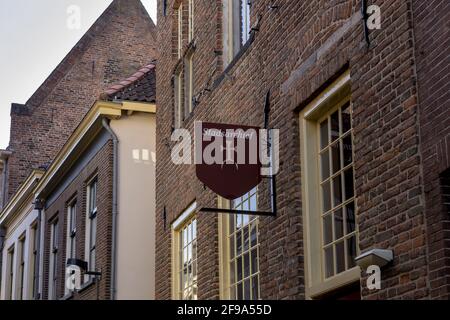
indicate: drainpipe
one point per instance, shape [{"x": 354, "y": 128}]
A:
[{"x": 114, "y": 206}]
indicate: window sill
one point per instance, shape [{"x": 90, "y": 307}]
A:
[{"x": 336, "y": 282}]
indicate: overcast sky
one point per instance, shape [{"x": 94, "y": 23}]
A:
[{"x": 34, "y": 38}]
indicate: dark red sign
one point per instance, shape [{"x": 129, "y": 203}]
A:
[{"x": 227, "y": 158}]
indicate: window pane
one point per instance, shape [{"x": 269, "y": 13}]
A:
[
  {"x": 325, "y": 165},
  {"x": 238, "y": 221},
  {"x": 253, "y": 234},
  {"x": 350, "y": 217},
  {"x": 232, "y": 271},
  {"x": 351, "y": 251},
  {"x": 239, "y": 242},
  {"x": 246, "y": 265},
  {"x": 348, "y": 180},
  {"x": 327, "y": 229},
  {"x": 255, "y": 286},
  {"x": 346, "y": 118},
  {"x": 246, "y": 238},
  {"x": 334, "y": 126},
  {"x": 194, "y": 250},
  {"x": 329, "y": 265},
  {"x": 326, "y": 194},
  {"x": 194, "y": 229},
  {"x": 232, "y": 247},
  {"x": 324, "y": 134},
  {"x": 239, "y": 268},
  {"x": 347, "y": 150},
  {"x": 337, "y": 190},
  {"x": 239, "y": 291},
  {"x": 336, "y": 157},
  {"x": 247, "y": 289},
  {"x": 340, "y": 257},
  {"x": 253, "y": 203},
  {"x": 254, "y": 261},
  {"x": 338, "y": 224}
]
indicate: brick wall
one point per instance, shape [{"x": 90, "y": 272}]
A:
[
  {"x": 119, "y": 43},
  {"x": 432, "y": 45},
  {"x": 102, "y": 167},
  {"x": 299, "y": 49}
]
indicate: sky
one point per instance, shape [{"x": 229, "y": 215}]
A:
[{"x": 35, "y": 35}]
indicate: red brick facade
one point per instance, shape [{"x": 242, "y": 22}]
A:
[
  {"x": 300, "y": 48},
  {"x": 431, "y": 46},
  {"x": 120, "y": 42}
]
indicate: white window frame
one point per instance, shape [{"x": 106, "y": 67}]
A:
[
  {"x": 186, "y": 218},
  {"x": 179, "y": 13},
  {"x": 178, "y": 97},
  {"x": 53, "y": 265},
  {"x": 190, "y": 20},
  {"x": 91, "y": 216},
  {"x": 10, "y": 273},
  {"x": 189, "y": 84},
  {"x": 236, "y": 26},
  {"x": 21, "y": 268},
  {"x": 71, "y": 232},
  {"x": 317, "y": 284},
  {"x": 33, "y": 258}
]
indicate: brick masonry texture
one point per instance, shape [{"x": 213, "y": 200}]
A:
[
  {"x": 401, "y": 111},
  {"x": 102, "y": 167},
  {"x": 120, "y": 42},
  {"x": 432, "y": 44}
]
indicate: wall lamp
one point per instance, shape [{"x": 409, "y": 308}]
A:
[{"x": 378, "y": 257}]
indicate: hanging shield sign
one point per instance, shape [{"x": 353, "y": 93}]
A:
[{"x": 227, "y": 158}]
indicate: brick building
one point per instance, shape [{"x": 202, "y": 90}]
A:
[
  {"x": 122, "y": 40},
  {"x": 97, "y": 208},
  {"x": 364, "y": 148},
  {"x": 67, "y": 110}
]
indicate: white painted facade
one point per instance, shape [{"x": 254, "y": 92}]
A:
[{"x": 19, "y": 220}]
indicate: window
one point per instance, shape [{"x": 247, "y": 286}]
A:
[
  {"x": 179, "y": 15},
  {"x": 164, "y": 8},
  {"x": 34, "y": 259},
  {"x": 91, "y": 225},
  {"x": 190, "y": 20},
  {"x": 189, "y": 84},
  {"x": 21, "y": 255},
  {"x": 178, "y": 97},
  {"x": 337, "y": 191},
  {"x": 71, "y": 232},
  {"x": 54, "y": 248},
  {"x": 245, "y": 21},
  {"x": 328, "y": 189},
  {"x": 10, "y": 273},
  {"x": 240, "y": 250},
  {"x": 185, "y": 255},
  {"x": 237, "y": 27}
]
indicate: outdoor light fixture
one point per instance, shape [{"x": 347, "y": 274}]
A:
[
  {"x": 39, "y": 204},
  {"x": 378, "y": 257}
]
